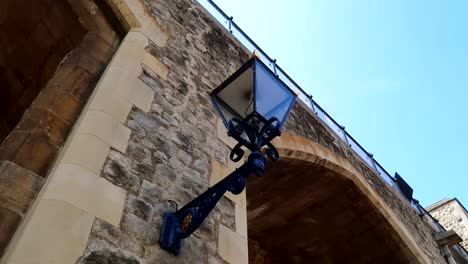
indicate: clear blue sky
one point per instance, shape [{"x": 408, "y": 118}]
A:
[{"x": 395, "y": 73}]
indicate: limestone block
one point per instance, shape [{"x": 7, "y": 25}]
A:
[
  {"x": 120, "y": 136},
  {"x": 219, "y": 172},
  {"x": 96, "y": 123},
  {"x": 103, "y": 126},
  {"x": 9, "y": 221},
  {"x": 142, "y": 95},
  {"x": 241, "y": 217},
  {"x": 300, "y": 145},
  {"x": 232, "y": 247},
  {"x": 148, "y": 25},
  {"x": 111, "y": 104},
  {"x": 120, "y": 87},
  {"x": 131, "y": 51},
  {"x": 55, "y": 233},
  {"x": 86, "y": 150},
  {"x": 87, "y": 191},
  {"x": 117, "y": 82},
  {"x": 155, "y": 65}
]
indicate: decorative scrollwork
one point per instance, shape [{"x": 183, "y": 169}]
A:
[
  {"x": 270, "y": 127},
  {"x": 182, "y": 223},
  {"x": 235, "y": 127},
  {"x": 272, "y": 152},
  {"x": 237, "y": 153}
]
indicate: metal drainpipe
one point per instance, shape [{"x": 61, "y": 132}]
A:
[{"x": 448, "y": 255}]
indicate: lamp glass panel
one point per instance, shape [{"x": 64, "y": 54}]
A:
[
  {"x": 272, "y": 96},
  {"x": 236, "y": 99}
]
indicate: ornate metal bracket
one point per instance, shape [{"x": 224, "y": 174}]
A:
[
  {"x": 253, "y": 138},
  {"x": 182, "y": 223}
]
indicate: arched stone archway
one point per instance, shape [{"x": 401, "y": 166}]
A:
[{"x": 313, "y": 206}]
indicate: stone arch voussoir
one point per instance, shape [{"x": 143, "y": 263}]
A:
[{"x": 299, "y": 148}]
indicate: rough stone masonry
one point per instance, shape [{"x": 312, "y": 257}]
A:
[
  {"x": 451, "y": 214},
  {"x": 172, "y": 146}
]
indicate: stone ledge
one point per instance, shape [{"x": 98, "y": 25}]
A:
[{"x": 448, "y": 238}]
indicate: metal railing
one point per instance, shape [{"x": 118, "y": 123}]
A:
[{"x": 231, "y": 26}]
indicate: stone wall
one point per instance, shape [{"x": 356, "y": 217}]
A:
[
  {"x": 451, "y": 214},
  {"x": 173, "y": 146},
  {"x": 149, "y": 134}
]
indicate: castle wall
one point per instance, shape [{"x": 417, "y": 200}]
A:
[
  {"x": 149, "y": 134},
  {"x": 452, "y": 215}
]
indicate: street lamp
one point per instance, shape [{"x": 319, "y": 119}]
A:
[{"x": 253, "y": 104}]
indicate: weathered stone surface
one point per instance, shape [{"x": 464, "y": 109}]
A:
[
  {"x": 226, "y": 207},
  {"x": 139, "y": 208},
  {"x": 451, "y": 214},
  {"x": 118, "y": 170},
  {"x": 9, "y": 221},
  {"x": 18, "y": 187},
  {"x": 105, "y": 231},
  {"x": 151, "y": 192},
  {"x": 130, "y": 244},
  {"x": 160, "y": 157},
  {"x": 194, "y": 252},
  {"x": 99, "y": 251},
  {"x": 32, "y": 150},
  {"x": 164, "y": 175},
  {"x": 139, "y": 229},
  {"x": 159, "y": 210}
]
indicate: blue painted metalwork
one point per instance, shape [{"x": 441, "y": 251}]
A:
[
  {"x": 251, "y": 130},
  {"x": 182, "y": 223}
]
